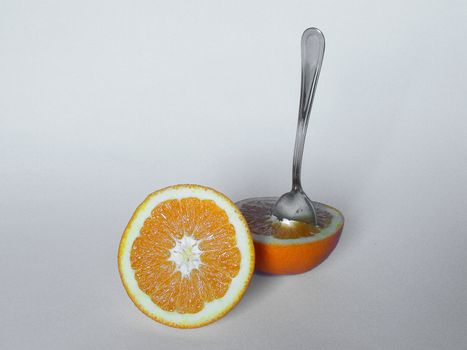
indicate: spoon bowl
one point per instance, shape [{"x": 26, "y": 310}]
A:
[{"x": 295, "y": 205}]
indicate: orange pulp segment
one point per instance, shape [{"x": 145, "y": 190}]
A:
[{"x": 174, "y": 288}]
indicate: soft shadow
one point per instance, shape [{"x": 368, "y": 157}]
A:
[{"x": 260, "y": 285}]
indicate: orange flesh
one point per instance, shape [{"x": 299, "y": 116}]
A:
[
  {"x": 158, "y": 277},
  {"x": 294, "y": 230}
]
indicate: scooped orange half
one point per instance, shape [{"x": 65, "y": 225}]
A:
[
  {"x": 289, "y": 247},
  {"x": 186, "y": 256}
]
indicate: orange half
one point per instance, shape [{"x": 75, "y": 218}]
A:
[
  {"x": 186, "y": 256},
  {"x": 289, "y": 247}
]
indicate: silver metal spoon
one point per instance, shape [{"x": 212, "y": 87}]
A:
[{"x": 295, "y": 205}]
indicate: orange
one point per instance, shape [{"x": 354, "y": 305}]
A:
[
  {"x": 186, "y": 256},
  {"x": 289, "y": 247}
]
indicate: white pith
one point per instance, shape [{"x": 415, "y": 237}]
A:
[
  {"x": 186, "y": 255},
  {"x": 210, "y": 309}
]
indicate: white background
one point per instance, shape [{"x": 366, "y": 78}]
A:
[{"x": 102, "y": 102}]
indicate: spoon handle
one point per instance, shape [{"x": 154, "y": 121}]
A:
[{"x": 312, "y": 58}]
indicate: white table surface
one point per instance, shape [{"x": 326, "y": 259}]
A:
[{"x": 102, "y": 102}]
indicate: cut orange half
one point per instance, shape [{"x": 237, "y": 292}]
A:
[
  {"x": 289, "y": 247},
  {"x": 186, "y": 256}
]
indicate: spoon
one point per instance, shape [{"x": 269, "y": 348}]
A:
[{"x": 295, "y": 205}]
